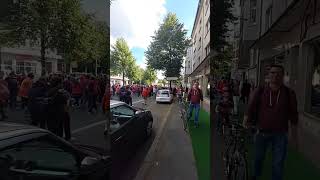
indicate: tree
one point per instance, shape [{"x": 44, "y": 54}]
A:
[
  {"x": 37, "y": 22},
  {"x": 222, "y": 63},
  {"x": 222, "y": 16},
  {"x": 149, "y": 75},
  {"x": 121, "y": 58},
  {"x": 136, "y": 73},
  {"x": 168, "y": 47}
]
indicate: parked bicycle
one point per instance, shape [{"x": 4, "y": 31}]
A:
[
  {"x": 235, "y": 154},
  {"x": 184, "y": 114}
]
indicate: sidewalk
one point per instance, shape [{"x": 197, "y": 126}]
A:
[{"x": 170, "y": 156}]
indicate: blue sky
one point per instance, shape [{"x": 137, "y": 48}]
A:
[{"x": 137, "y": 20}]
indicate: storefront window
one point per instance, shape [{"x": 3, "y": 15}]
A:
[
  {"x": 315, "y": 85},
  {"x": 7, "y": 65},
  {"x": 26, "y": 67}
]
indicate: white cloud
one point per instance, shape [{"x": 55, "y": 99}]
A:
[
  {"x": 136, "y": 21},
  {"x": 160, "y": 74},
  {"x": 143, "y": 63}
]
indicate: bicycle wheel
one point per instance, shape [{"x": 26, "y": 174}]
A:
[{"x": 240, "y": 170}]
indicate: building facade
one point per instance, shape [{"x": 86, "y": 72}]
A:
[
  {"x": 287, "y": 33},
  {"x": 117, "y": 79},
  {"x": 26, "y": 59},
  {"x": 197, "y": 66}
]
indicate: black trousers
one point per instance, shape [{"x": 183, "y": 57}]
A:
[
  {"x": 60, "y": 124},
  {"x": 92, "y": 102},
  {"x": 2, "y": 111}
]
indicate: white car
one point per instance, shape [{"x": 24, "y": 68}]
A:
[{"x": 164, "y": 95}]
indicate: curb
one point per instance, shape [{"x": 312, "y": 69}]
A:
[{"x": 148, "y": 161}]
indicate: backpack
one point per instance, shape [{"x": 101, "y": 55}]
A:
[{"x": 261, "y": 89}]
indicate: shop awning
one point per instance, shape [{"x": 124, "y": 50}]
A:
[{"x": 277, "y": 35}]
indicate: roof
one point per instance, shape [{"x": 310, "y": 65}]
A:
[{"x": 8, "y": 130}]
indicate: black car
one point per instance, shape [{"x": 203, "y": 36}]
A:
[
  {"x": 129, "y": 127},
  {"x": 31, "y": 153}
]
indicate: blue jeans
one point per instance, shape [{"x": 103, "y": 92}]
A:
[
  {"x": 197, "y": 109},
  {"x": 279, "y": 142}
]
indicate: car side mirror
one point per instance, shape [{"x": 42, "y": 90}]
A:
[
  {"x": 137, "y": 112},
  {"x": 88, "y": 161}
]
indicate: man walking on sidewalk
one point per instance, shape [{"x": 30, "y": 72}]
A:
[
  {"x": 194, "y": 97},
  {"x": 270, "y": 109}
]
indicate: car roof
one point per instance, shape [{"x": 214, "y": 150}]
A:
[
  {"x": 8, "y": 130},
  {"x": 114, "y": 103},
  {"x": 164, "y": 90}
]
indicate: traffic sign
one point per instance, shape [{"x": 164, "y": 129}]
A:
[{"x": 172, "y": 78}]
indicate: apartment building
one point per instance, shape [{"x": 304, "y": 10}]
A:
[
  {"x": 288, "y": 33},
  {"x": 197, "y": 60},
  {"x": 188, "y": 67}
]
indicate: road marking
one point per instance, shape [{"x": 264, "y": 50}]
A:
[
  {"x": 88, "y": 126},
  {"x": 144, "y": 169},
  {"x": 137, "y": 101}
]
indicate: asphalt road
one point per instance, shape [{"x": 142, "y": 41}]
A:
[
  {"x": 88, "y": 129},
  {"x": 129, "y": 170}
]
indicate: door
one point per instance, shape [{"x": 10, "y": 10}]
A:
[{"x": 38, "y": 159}]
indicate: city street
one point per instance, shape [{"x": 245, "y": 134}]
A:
[
  {"x": 129, "y": 170},
  {"x": 88, "y": 129}
]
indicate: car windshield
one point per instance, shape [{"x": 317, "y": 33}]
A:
[{"x": 164, "y": 92}]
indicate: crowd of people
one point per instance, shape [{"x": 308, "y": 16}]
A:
[
  {"x": 48, "y": 99},
  {"x": 126, "y": 93}
]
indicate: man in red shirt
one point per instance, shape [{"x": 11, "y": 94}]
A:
[
  {"x": 194, "y": 97},
  {"x": 270, "y": 109}
]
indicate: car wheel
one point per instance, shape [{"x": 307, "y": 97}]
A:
[{"x": 148, "y": 130}]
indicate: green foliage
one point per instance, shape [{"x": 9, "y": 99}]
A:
[
  {"x": 149, "y": 75},
  {"x": 222, "y": 15},
  {"x": 221, "y": 64},
  {"x": 136, "y": 73},
  {"x": 168, "y": 47},
  {"x": 122, "y": 59}
]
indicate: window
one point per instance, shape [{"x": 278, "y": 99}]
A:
[
  {"x": 123, "y": 110},
  {"x": 199, "y": 43},
  {"x": 253, "y": 11},
  {"x": 207, "y": 49},
  {"x": 7, "y": 65},
  {"x": 251, "y": 57},
  {"x": 49, "y": 67},
  {"x": 314, "y": 106},
  {"x": 44, "y": 153},
  {"x": 61, "y": 67},
  {"x": 25, "y": 67},
  {"x": 268, "y": 21},
  {"x": 208, "y": 26},
  {"x": 207, "y": 5}
]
